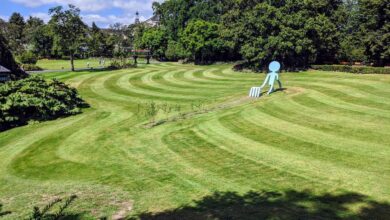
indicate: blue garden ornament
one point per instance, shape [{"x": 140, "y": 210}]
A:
[{"x": 272, "y": 76}]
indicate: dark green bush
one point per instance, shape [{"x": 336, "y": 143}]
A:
[
  {"x": 31, "y": 67},
  {"x": 117, "y": 64},
  {"x": 28, "y": 58},
  {"x": 175, "y": 51},
  {"x": 35, "y": 99},
  {"x": 352, "y": 69}
]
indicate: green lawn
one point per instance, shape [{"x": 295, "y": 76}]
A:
[
  {"x": 65, "y": 64},
  {"x": 171, "y": 141}
]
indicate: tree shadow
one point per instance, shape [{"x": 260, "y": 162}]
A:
[
  {"x": 94, "y": 70},
  {"x": 46, "y": 214},
  {"x": 280, "y": 89},
  {"x": 274, "y": 205},
  {"x": 3, "y": 213}
]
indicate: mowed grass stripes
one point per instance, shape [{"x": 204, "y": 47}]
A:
[{"x": 162, "y": 136}]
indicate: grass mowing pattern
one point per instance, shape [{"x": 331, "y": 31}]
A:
[{"x": 327, "y": 133}]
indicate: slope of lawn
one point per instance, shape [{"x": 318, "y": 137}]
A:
[{"x": 171, "y": 141}]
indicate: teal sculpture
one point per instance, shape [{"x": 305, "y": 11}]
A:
[{"x": 272, "y": 76}]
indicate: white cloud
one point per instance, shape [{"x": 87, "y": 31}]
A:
[
  {"x": 103, "y": 21},
  {"x": 94, "y": 10},
  {"x": 44, "y": 16},
  {"x": 5, "y": 18},
  {"x": 110, "y": 19},
  {"x": 94, "y": 5}
]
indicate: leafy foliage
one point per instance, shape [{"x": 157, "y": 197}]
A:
[
  {"x": 298, "y": 33},
  {"x": 34, "y": 99},
  {"x": 352, "y": 69},
  {"x": 31, "y": 67},
  {"x": 175, "y": 51},
  {"x": 41, "y": 41},
  {"x": 99, "y": 43},
  {"x": 290, "y": 32},
  {"x": 155, "y": 39},
  {"x": 176, "y": 14},
  {"x": 121, "y": 64},
  {"x": 375, "y": 29},
  {"x": 15, "y": 34},
  {"x": 28, "y": 58},
  {"x": 68, "y": 30},
  {"x": 201, "y": 39}
]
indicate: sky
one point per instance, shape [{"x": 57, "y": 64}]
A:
[{"x": 103, "y": 12}]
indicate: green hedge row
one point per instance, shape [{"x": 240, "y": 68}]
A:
[
  {"x": 352, "y": 69},
  {"x": 35, "y": 99}
]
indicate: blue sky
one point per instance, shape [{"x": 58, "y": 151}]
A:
[{"x": 103, "y": 12}]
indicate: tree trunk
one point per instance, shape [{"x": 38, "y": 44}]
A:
[{"x": 72, "y": 61}]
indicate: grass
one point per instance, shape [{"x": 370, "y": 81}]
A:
[
  {"x": 79, "y": 63},
  {"x": 171, "y": 141},
  {"x": 65, "y": 64}
]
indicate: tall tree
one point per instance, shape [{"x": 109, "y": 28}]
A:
[
  {"x": 175, "y": 14},
  {"x": 33, "y": 25},
  {"x": 295, "y": 32},
  {"x": 16, "y": 25},
  {"x": 351, "y": 44},
  {"x": 201, "y": 39},
  {"x": 41, "y": 40},
  {"x": 96, "y": 41},
  {"x": 375, "y": 29},
  {"x": 155, "y": 39},
  {"x": 121, "y": 36},
  {"x": 69, "y": 30},
  {"x": 3, "y": 27}
]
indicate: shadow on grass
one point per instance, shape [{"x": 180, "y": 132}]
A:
[
  {"x": 97, "y": 70},
  {"x": 3, "y": 213},
  {"x": 60, "y": 213},
  {"x": 274, "y": 205},
  {"x": 90, "y": 70}
]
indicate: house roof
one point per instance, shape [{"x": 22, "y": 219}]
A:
[
  {"x": 153, "y": 20},
  {"x": 4, "y": 70}
]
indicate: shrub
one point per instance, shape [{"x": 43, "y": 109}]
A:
[
  {"x": 28, "y": 58},
  {"x": 116, "y": 65},
  {"x": 175, "y": 51},
  {"x": 31, "y": 67},
  {"x": 352, "y": 69},
  {"x": 34, "y": 99}
]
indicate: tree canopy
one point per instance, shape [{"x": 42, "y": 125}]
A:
[
  {"x": 68, "y": 30},
  {"x": 298, "y": 33}
]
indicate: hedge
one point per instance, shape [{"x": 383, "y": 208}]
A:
[
  {"x": 35, "y": 99},
  {"x": 352, "y": 69},
  {"x": 28, "y": 58}
]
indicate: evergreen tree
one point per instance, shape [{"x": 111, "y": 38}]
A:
[
  {"x": 15, "y": 34},
  {"x": 375, "y": 29}
]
